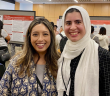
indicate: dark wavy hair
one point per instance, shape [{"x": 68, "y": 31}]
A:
[
  {"x": 102, "y": 31},
  {"x": 92, "y": 29}
]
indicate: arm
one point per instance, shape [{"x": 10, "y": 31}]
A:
[
  {"x": 104, "y": 72},
  {"x": 96, "y": 40},
  {"x": 5, "y": 35},
  {"x": 57, "y": 41},
  {"x": 107, "y": 40},
  {"x": 7, "y": 38}
]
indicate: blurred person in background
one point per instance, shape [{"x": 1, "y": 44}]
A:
[
  {"x": 103, "y": 38},
  {"x": 55, "y": 30},
  {"x": 94, "y": 37},
  {"x": 4, "y": 39},
  {"x": 59, "y": 37}
]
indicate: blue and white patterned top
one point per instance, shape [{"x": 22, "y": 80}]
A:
[{"x": 13, "y": 85}]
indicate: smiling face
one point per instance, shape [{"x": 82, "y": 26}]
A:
[
  {"x": 74, "y": 26},
  {"x": 40, "y": 38}
]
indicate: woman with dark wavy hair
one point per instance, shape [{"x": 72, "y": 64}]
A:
[
  {"x": 103, "y": 38},
  {"x": 33, "y": 71}
]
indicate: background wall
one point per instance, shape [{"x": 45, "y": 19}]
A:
[
  {"x": 17, "y": 5},
  {"x": 53, "y": 11},
  {"x": 7, "y": 5},
  {"x": 26, "y": 6}
]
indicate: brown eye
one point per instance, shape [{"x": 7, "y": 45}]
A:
[
  {"x": 45, "y": 34},
  {"x": 35, "y": 34},
  {"x": 78, "y": 22},
  {"x": 68, "y": 23}
]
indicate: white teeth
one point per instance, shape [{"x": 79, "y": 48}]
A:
[
  {"x": 73, "y": 33},
  {"x": 40, "y": 44}
]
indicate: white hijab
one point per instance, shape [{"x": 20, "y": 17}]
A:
[{"x": 86, "y": 81}]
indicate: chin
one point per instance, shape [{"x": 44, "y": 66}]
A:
[{"x": 74, "y": 40}]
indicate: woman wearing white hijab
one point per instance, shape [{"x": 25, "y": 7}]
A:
[{"x": 84, "y": 67}]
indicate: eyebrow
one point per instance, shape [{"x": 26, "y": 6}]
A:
[
  {"x": 75, "y": 20},
  {"x": 78, "y": 20},
  {"x": 67, "y": 21},
  {"x": 38, "y": 32}
]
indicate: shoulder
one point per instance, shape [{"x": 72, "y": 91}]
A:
[
  {"x": 106, "y": 36},
  {"x": 64, "y": 39},
  {"x": 4, "y": 33},
  {"x": 92, "y": 35},
  {"x": 14, "y": 58},
  {"x": 58, "y": 37},
  {"x": 13, "y": 61},
  {"x": 96, "y": 37},
  {"x": 103, "y": 52},
  {"x": 62, "y": 43},
  {"x": 104, "y": 57}
]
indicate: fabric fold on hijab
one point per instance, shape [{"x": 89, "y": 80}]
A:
[{"x": 87, "y": 72}]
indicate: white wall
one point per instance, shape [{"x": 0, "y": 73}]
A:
[
  {"x": 26, "y": 6},
  {"x": 11, "y": 6},
  {"x": 7, "y": 5}
]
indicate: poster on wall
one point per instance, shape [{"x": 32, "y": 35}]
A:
[
  {"x": 101, "y": 23},
  {"x": 16, "y": 26},
  {"x": 59, "y": 24}
]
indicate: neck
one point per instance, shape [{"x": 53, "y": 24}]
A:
[{"x": 41, "y": 60}]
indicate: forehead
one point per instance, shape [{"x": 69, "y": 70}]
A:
[
  {"x": 40, "y": 27},
  {"x": 73, "y": 15}
]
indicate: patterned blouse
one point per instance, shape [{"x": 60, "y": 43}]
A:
[{"x": 12, "y": 85}]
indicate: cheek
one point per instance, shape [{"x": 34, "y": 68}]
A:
[
  {"x": 84, "y": 31},
  {"x": 48, "y": 39},
  {"x": 32, "y": 39},
  {"x": 66, "y": 28}
]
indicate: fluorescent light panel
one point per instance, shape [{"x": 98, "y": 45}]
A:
[
  {"x": 76, "y": 1},
  {"x": 29, "y": 1}
]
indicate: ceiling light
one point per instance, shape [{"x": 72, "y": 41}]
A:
[
  {"x": 29, "y": 1},
  {"x": 49, "y": 0},
  {"x": 76, "y": 1}
]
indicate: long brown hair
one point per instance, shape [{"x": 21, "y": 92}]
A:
[{"x": 26, "y": 55}]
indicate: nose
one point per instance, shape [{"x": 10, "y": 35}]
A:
[
  {"x": 40, "y": 38},
  {"x": 73, "y": 26}
]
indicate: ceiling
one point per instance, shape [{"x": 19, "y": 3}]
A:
[{"x": 62, "y": 1}]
